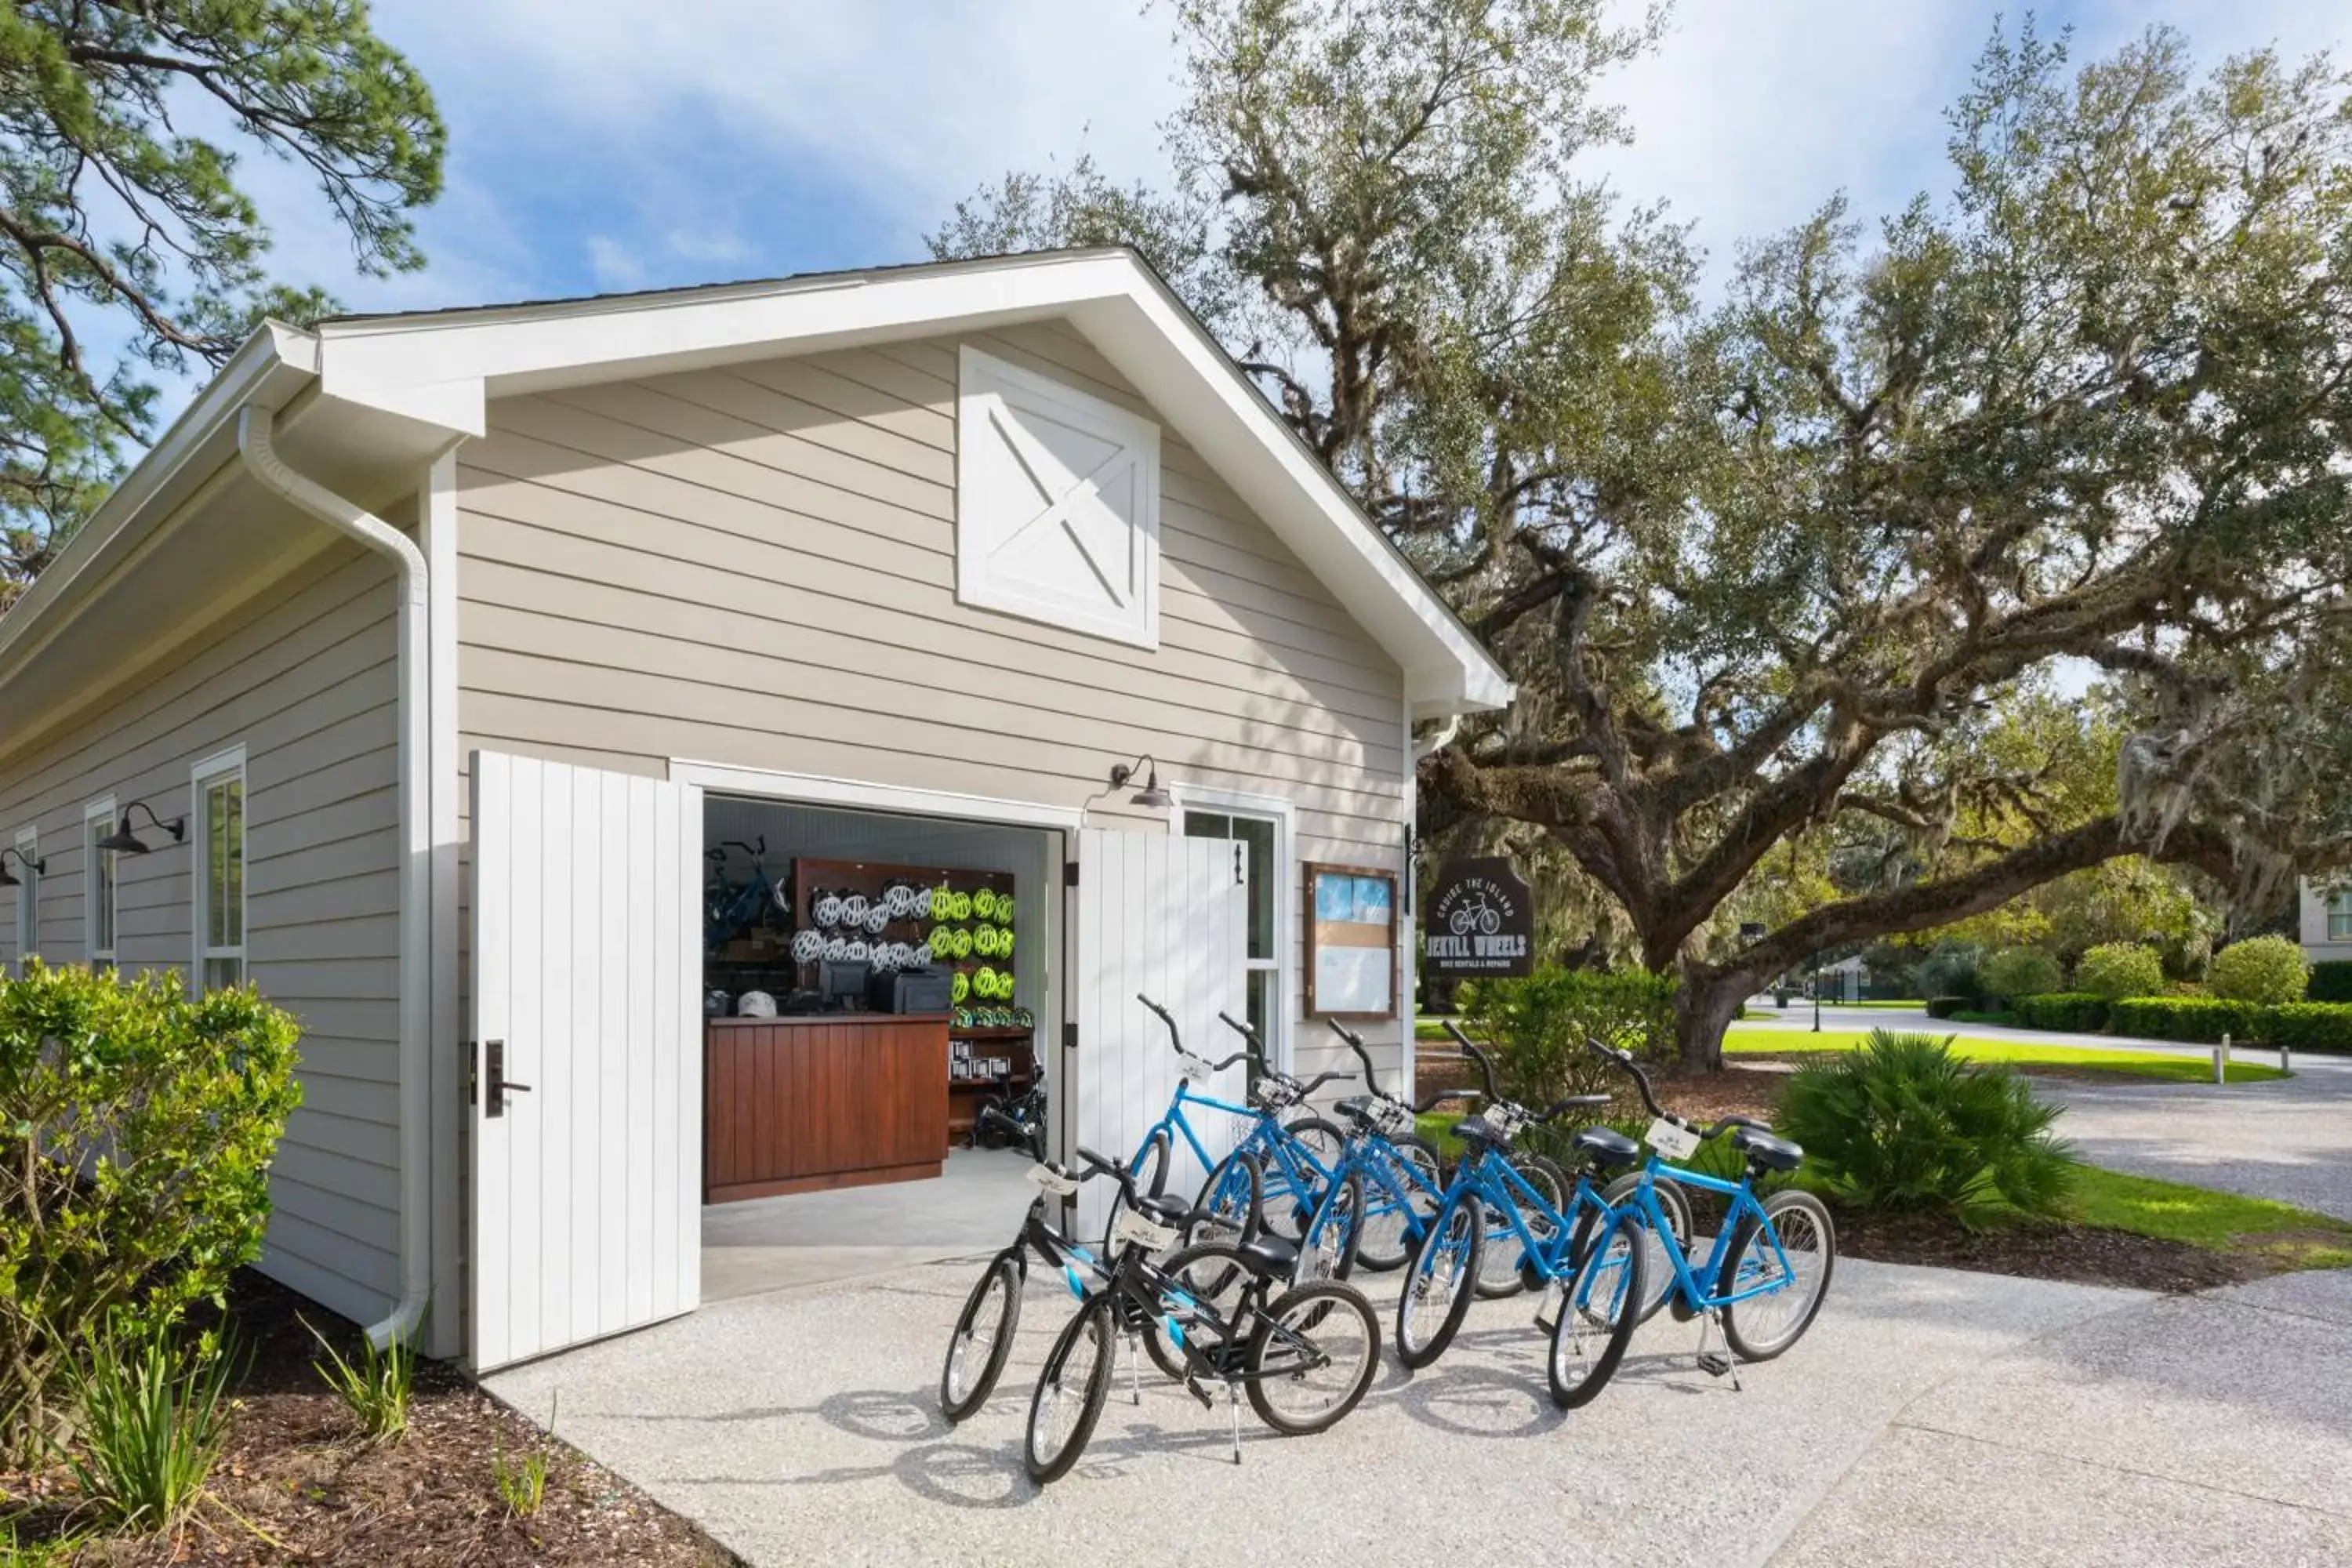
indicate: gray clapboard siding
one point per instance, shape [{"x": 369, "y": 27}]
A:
[
  {"x": 304, "y": 678},
  {"x": 756, "y": 565}
]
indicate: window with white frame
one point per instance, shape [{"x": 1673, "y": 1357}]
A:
[
  {"x": 1261, "y": 835},
  {"x": 28, "y": 895},
  {"x": 218, "y": 787},
  {"x": 97, "y": 901},
  {"x": 2339, "y": 915}
]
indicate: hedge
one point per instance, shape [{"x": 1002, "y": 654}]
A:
[
  {"x": 1945, "y": 1006},
  {"x": 2077, "y": 1011},
  {"x": 2309, "y": 1026},
  {"x": 2203, "y": 1020},
  {"x": 2331, "y": 980}
]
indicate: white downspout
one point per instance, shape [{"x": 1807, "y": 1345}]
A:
[
  {"x": 414, "y": 724},
  {"x": 1438, "y": 738}
]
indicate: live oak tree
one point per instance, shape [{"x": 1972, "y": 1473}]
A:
[
  {"x": 1773, "y": 575},
  {"x": 127, "y": 248}
]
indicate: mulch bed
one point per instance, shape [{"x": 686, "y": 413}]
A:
[{"x": 295, "y": 1486}]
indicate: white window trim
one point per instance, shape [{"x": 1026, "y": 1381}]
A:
[
  {"x": 101, "y": 812},
  {"x": 28, "y": 895},
  {"x": 211, "y": 771},
  {"x": 1279, "y": 810},
  {"x": 2334, "y": 907},
  {"x": 983, "y": 384}
]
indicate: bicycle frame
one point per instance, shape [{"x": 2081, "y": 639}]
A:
[
  {"x": 1697, "y": 1285},
  {"x": 1282, "y": 1153},
  {"x": 1494, "y": 1181}
]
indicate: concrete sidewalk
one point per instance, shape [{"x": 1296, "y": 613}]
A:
[{"x": 802, "y": 1426}]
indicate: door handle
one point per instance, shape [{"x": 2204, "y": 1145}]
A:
[{"x": 495, "y": 1086}]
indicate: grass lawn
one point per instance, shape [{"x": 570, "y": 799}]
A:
[
  {"x": 2219, "y": 1222},
  {"x": 2026, "y": 1054}
]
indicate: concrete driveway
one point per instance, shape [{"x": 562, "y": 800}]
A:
[{"x": 1930, "y": 1417}]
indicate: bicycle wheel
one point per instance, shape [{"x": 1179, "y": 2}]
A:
[
  {"x": 1390, "y": 1224},
  {"x": 1312, "y": 1357},
  {"x": 1327, "y": 1250},
  {"x": 1763, "y": 1326},
  {"x": 1070, "y": 1393},
  {"x": 1437, "y": 1281},
  {"x": 982, "y": 1340},
  {"x": 1150, "y": 1169},
  {"x": 1213, "y": 1280},
  {"x": 1598, "y": 1315},
  {"x": 1499, "y": 1271},
  {"x": 1286, "y": 1202},
  {"x": 1227, "y": 1208},
  {"x": 1658, "y": 1278}
]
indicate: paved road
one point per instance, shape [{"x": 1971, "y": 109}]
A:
[
  {"x": 1799, "y": 1018},
  {"x": 1930, "y": 1417}
]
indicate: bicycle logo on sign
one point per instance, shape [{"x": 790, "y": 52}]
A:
[{"x": 1480, "y": 917}]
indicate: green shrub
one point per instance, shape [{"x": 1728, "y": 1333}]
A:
[
  {"x": 2197, "y": 1020},
  {"x": 2331, "y": 980},
  {"x": 1536, "y": 1027},
  {"x": 1951, "y": 971},
  {"x": 1904, "y": 1125},
  {"x": 2116, "y": 969},
  {"x": 2308, "y": 1025},
  {"x": 136, "y": 1130},
  {"x": 151, "y": 1422},
  {"x": 2075, "y": 1011},
  {"x": 2265, "y": 969},
  {"x": 1945, "y": 1006},
  {"x": 2003, "y": 1019},
  {"x": 373, "y": 1384},
  {"x": 2015, "y": 972}
]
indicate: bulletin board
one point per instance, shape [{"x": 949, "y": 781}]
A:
[{"x": 1351, "y": 941}]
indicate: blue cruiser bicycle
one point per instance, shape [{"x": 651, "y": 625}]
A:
[
  {"x": 1274, "y": 1175},
  {"x": 1763, "y": 1280},
  {"x": 1385, "y": 1187}
]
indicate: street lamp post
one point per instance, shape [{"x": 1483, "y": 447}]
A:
[{"x": 1817, "y": 994}]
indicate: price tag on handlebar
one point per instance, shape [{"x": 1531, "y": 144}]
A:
[
  {"x": 1143, "y": 1232},
  {"x": 1197, "y": 1068},
  {"x": 1392, "y": 1120},
  {"x": 1673, "y": 1143},
  {"x": 1053, "y": 1180}
]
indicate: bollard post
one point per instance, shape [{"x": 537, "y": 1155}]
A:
[
  {"x": 2286, "y": 1058},
  {"x": 2222, "y": 1059}
]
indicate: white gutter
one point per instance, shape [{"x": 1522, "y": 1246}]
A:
[
  {"x": 413, "y": 723},
  {"x": 1438, "y": 738}
]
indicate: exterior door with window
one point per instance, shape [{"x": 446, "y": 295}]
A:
[
  {"x": 219, "y": 837},
  {"x": 1261, "y": 837}
]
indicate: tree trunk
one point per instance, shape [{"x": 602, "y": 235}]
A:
[{"x": 1705, "y": 1004}]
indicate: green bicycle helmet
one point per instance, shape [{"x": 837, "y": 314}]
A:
[
  {"x": 1004, "y": 909},
  {"x": 960, "y": 988},
  {"x": 961, "y": 906},
  {"x": 984, "y": 903},
  {"x": 1004, "y": 944}
]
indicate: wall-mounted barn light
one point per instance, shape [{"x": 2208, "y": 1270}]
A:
[
  {"x": 122, "y": 841},
  {"x": 1151, "y": 794},
  {"x": 7, "y": 879}
]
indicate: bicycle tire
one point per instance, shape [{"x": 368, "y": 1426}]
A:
[
  {"x": 1227, "y": 1208},
  {"x": 1092, "y": 1326},
  {"x": 984, "y": 1134},
  {"x": 1372, "y": 1249},
  {"x": 1220, "y": 1288},
  {"x": 958, "y": 1400},
  {"x": 1504, "y": 1252},
  {"x": 1660, "y": 1281},
  {"x": 1326, "y": 1248},
  {"x": 1619, "y": 1273},
  {"x": 1456, "y": 1229},
  {"x": 1283, "y": 1211},
  {"x": 1150, "y": 1169},
  {"x": 1311, "y": 1310},
  {"x": 1779, "y": 1203}
]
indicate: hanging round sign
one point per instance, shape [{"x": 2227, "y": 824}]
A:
[{"x": 1478, "y": 922}]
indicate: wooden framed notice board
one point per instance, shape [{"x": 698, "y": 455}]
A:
[{"x": 1351, "y": 941}]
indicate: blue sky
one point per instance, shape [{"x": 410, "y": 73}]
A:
[{"x": 603, "y": 144}]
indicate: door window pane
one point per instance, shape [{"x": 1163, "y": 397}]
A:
[
  {"x": 102, "y": 888},
  {"x": 2340, "y": 916}
]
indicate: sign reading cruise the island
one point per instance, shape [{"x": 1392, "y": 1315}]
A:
[{"x": 1478, "y": 922}]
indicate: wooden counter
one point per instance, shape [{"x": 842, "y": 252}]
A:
[{"x": 794, "y": 1105}]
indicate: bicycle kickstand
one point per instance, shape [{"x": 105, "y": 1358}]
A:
[
  {"x": 1135, "y": 1367},
  {"x": 1720, "y": 1364},
  {"x": 1233, "y": 1398}
]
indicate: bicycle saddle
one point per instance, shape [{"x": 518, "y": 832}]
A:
[
  {"x": 1605, "y": 1146},
  {"x": 1166, "y": 1208},
  {"x": 1270, "y": 1256},
  {"x": 1356, "y": 1105},
  {"x": 1772, "y": 1153},
  {"x": 1478, "y": 1130}
]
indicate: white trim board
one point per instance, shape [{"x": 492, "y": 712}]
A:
[{"x": 814, "y": 789}]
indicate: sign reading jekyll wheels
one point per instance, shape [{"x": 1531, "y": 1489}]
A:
[{"x": 1478, "y": 922}]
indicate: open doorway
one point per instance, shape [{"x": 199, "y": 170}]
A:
[{"x": 873, "y": 985}]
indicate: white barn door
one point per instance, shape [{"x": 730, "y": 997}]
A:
[
  {"x": 586, "y": 1185},
  {"x": 1166, "y": 917}
]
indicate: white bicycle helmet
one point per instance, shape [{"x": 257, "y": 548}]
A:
[
  {"x": 877, "y": 916},
  {"x": 922, "y": 908},
  {"x": 824, "y": 909},
  {"x": 858, "y": 951},
  {"x": 921, "y": 957},
  {"x": 836, "y": 948},
  {"x": 808, "y": 946},
  {"x": 852, "y": 908},
  {"x": 755, "y": 1005}
]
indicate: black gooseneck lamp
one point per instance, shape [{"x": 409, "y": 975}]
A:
[
  {"x": 122, "y": 841},
  {"x": 1151, "y": 794},
  {"x": 7, "y": 877}
]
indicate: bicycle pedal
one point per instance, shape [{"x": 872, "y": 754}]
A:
[
  {"x": 1714, "y": 1364},
  {"x": 1193, "y": 1387}
]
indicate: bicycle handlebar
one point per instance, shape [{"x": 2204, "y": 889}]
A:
[
  {"x": 1649, "y": 1097},
  {"x": 1439, "y": 1097},
  {"x": 1470, "y": 1049},
  {"x": 1356, "y": 1043},
  {"x": 1102, "y": 1167}
]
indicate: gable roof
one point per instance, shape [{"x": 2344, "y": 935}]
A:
[{"x": 426, "y": 378}]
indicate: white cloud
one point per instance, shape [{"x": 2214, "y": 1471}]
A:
[{"x": 614, "y": 265}]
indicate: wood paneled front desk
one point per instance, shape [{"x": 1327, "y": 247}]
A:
[{"x": 794, "y": 1105}]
